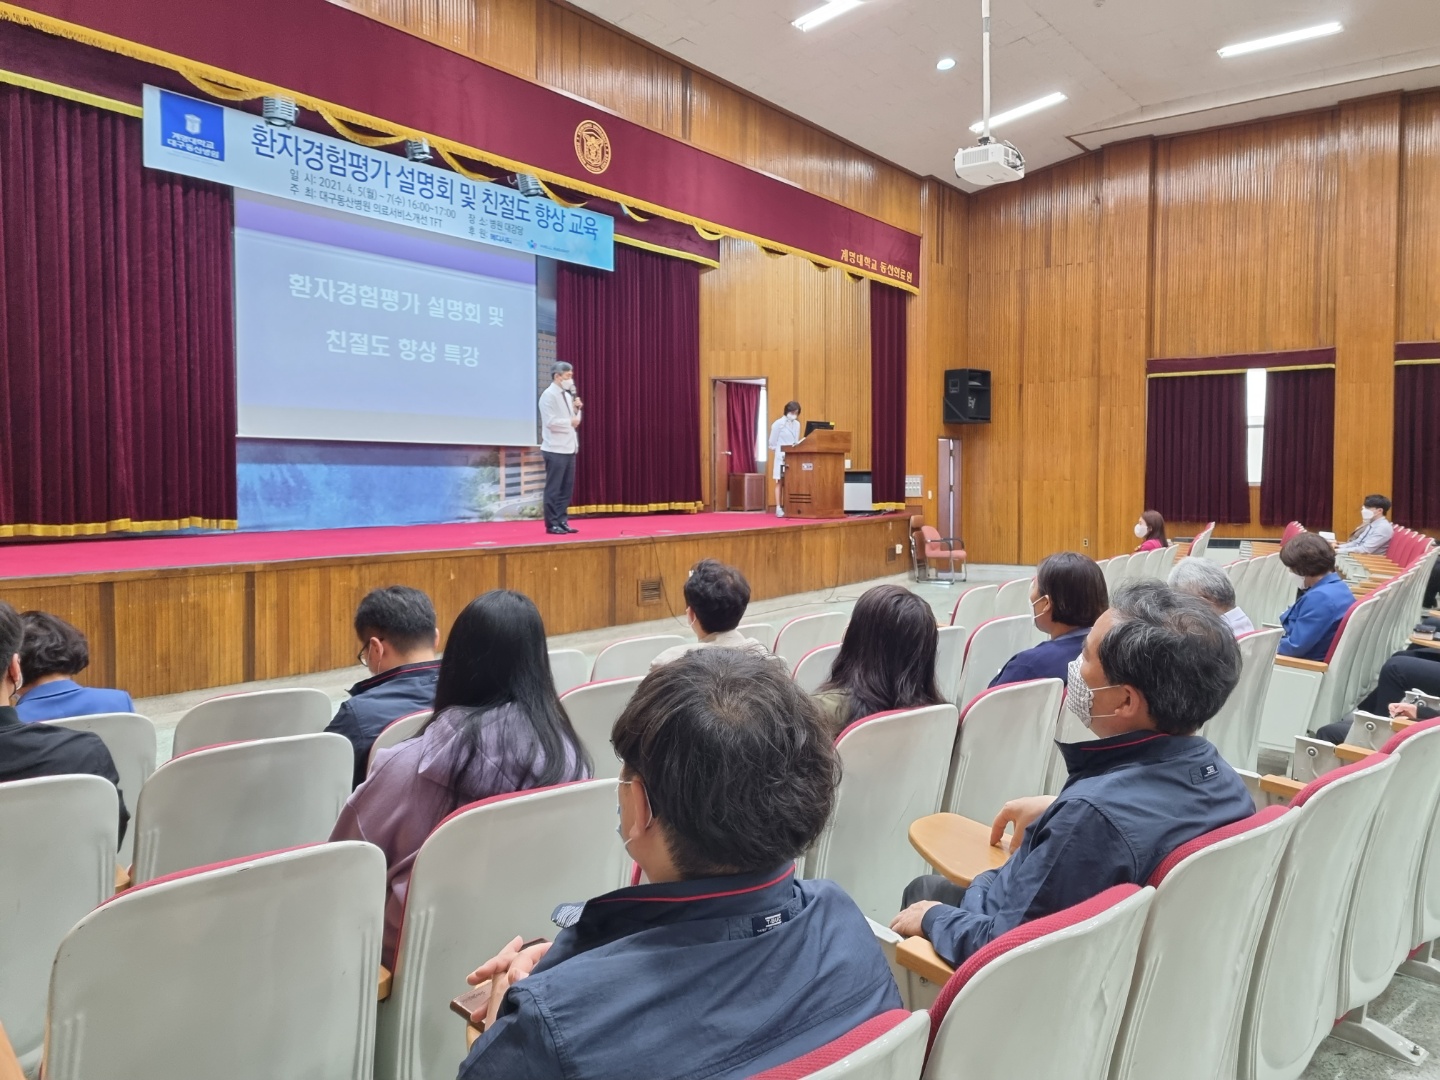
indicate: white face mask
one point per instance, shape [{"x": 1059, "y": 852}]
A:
[
  {"x": 567, "y": 384},
  {"x": 1141, "y": 529},
  {"x": 792, "y": 416},
  {"x": 1035, "y": 615},
  {"x": 1080, "y": 698},
  {"x": 1366, "y": 514}
]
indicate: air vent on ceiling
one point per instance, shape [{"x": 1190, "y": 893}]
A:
[{"x": 650, "y": 590}]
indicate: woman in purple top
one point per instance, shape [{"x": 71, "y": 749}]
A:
[{"x": 498, "y": 727}]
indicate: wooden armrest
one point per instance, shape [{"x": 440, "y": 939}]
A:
[
  {"x": 1399, "y": 723},
  {"x": 1303, "y": 665},
  {"x": 1428, "y": 643},
  {"x": 384, "y": 984},
  {"x": 956, "y": 846},
  {"x": 471, "y": 1034},
  {"x": 1280, "y": 785},
  {"x": 918, "y": 955},
  {"x": 123, "y": 878},
  {"x": 1352, "y": 753}
]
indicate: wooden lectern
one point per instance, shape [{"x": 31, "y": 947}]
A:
[{"x": 815, "y": 475}]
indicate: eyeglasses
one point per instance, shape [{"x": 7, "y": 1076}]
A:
[{"x": 360, "y": 656}]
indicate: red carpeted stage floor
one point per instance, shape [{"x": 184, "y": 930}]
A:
[{"x": 155, "y": 553}]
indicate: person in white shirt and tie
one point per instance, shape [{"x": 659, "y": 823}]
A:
[
  {"x": 784, "y": 432},
  {"x": 559, "y": 418}
]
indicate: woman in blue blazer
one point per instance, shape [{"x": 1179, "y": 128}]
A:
[
  {"x": 1310, "y": 623},
  {"x": 51, "y": 652}
]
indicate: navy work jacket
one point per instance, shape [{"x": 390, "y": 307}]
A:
[
  {"x": 1130, "y": 800},
  {"x": 377, "y": 702},
  {"x": 712, "y": 979}
]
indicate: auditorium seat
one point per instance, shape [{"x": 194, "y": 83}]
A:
[
  {"x": 949, "y": 658},
  {"x": 1294, "y": 986},
  {"x": 259, "y": 714},
  {"x": 814, "y": 668},
  {"x": 894, "y": 769},
  {"x": 890, "y": 1046},
  {"x": 264, "y": 967},
  {"x": 632, "y": 656},
  {"x": 569, "y": 668},
  {"x": 1292, "y": 530},
  {"x": 974, "y": 606},
  {"x": 762, "y": 632},
  {"x": 1235, "y": 729},
  {"x": 396, "y": 732},
  {"x": 1201, "y": 543},
  {"x": 130, "y": 738},
  {"x": 798, "y": 636},
  {"x": 1304, "y": 695},
  {"x": 230, "y": 801},
  {"x": 1003, "y": 747},
  {"x": 593, "y": 710},
  {"x": 1115, "y": 571},
  {"x": 491, "y": 870},
  {"x": 57, "y": 861},
  {"x": 1013, "y": 598},
  {"x": 1043, "y": 1000},
  {"x": 992, "y": 643},
  {"x": 1380, "y": 923},
  {"x": 1182, "y": 1021}
]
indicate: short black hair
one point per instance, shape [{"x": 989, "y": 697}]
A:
[
  {"x": 735, "y": 758},
  {"x": 718, "y": 594},
  {"x": 398, "y": 614},
  {"x": 1174, "y": 649},
  {"x": 1075, "y": 585},
  {"x": 51, "y": 647},
  {"x": 1378, "y": 502},
  {"x": 1308, "y": 554},
  {"x": 12, "y": 633}
]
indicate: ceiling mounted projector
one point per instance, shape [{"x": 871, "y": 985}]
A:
[{"x": 991, "y": 162}]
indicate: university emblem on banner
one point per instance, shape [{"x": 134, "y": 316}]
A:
[{"x": 592, "y": 146}]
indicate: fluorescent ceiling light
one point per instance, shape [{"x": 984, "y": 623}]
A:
[
  {"x": 1019, "y": 111},
  {"x": 825, "y": 13},
  {"x": 945, "y": 63},
  {"x": 1323, "y": 30}
]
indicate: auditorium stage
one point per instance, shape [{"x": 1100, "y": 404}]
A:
[{"x": 169, "y": 614}]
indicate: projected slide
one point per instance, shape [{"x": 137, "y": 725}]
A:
[{"x": 363, "y": 331}]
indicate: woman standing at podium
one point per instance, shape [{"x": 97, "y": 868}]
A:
[{"x": 784, "y": 432}]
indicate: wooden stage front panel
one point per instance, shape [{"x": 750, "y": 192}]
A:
[{"x": 166, "y": 631}]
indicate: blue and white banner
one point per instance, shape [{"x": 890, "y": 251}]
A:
[{"x": 199, "y": 138}]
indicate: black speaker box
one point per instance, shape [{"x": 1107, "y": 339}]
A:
[{"x": 967, "y": 396}]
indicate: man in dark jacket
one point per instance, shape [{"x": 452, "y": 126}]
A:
[
  {"x": 1155, "y": 667},
  {"x": 28, "y": 751},
  {"x": 724, "y": 964},
  {"x": 398, "y": 639}
]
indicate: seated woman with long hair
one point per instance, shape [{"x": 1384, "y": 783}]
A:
[
  {"x": 1150, "y": 531},
  {"x": 887, "y": 660},
  {"x": 498, "y": 727}
]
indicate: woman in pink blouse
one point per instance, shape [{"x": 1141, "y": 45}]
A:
[
  {"x": 498, "y": 727},
  {"x": 1150, "y": 531}
]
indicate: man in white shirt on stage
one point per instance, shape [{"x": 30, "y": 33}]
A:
[
  {"x": 559, "y": 417},
  {"x": 784, "y": 432}
]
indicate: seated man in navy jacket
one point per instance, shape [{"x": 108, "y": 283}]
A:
[
  {"x": 398, "y": 638},
  {"x": 1311, "y": 622},
  {"x": 724, "y": 964},
  {"x": 52, "y": 654},
  {"x": 1155, "y": 667}
]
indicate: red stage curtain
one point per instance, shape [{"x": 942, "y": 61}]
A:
[
  {"x": 117, "y": 387},
  {"x": 887, "y": 394},
  {"x": 1195, "y": 449},
  {"x": 634, "y": 337},
  {"x": 1417, "y": 407},
  {"x": 742, "y": 424},
  {"x": 1297, "y": 472}
]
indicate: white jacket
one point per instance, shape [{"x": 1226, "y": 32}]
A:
[{"x": 557, "y": 434}]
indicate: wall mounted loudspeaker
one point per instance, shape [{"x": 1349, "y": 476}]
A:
[{"x": 967, "y": 396}]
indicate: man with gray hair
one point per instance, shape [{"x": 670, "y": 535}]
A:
[
  {"x": 559, "y": 417},
  {"x": 1200, "y": 577},
  {"x": 1157, "y": 665}
]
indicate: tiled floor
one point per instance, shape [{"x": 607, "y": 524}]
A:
[{"x": 1410, "y": 1007}]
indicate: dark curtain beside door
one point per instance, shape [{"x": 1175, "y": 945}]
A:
[
  {"x": 887, "y": 396},
  {"x": 742, "y": 422},
  {"x": 1299, "y": 462},
  {"x": 1195, "y": 448},
  {"x": 633, "y": 335}
]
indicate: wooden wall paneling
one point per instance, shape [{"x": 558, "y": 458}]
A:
[
  {"x": 1365, "y": 301},
  {"x": 87, "y": 606},
  {"x": 573, "y": 586},
  {"x": 1123, "y": 280},
  {"x": 669, "y": 560},
  {"x": 1244, "y": 238},
  {"x": 500, "y": 33},
  {"x": 1418, "y": 302},
  {"x": 180, "y": 632}
]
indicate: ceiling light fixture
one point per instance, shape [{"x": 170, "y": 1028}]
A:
[
  {"x": 1019, "y": 111},
  {"x": 1323, "y": 30},
  {"x": 945, "y": 63},
  {"x": 825, "y": 13}
]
